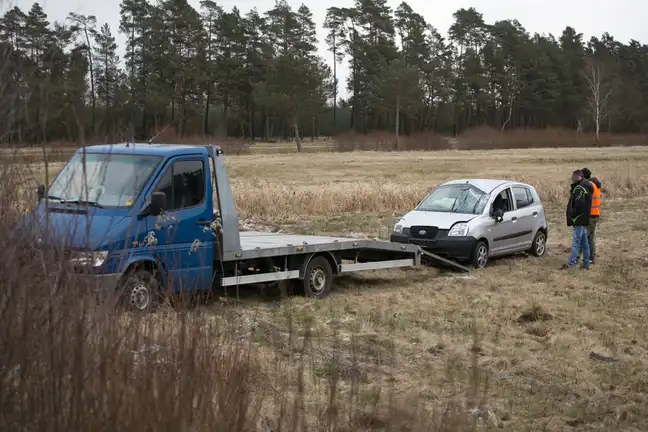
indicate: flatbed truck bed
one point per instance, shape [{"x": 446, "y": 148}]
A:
[{"x": 343, "y": 254}]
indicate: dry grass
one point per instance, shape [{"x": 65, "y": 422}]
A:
[
  {"x": 402, "y": 350},
  {"x": 283, "y": 186}
]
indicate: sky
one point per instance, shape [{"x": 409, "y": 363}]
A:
[{"x": 623, "y": 19}]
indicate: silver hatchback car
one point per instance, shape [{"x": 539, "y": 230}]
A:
[{"x": 474, "y": 220}]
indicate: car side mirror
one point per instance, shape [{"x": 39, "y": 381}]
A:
[
  {"x": 40, "y": 192},
  {"x": 498, "y": 215}
]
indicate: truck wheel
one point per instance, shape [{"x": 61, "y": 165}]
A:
[
  {"x": 479, "y": 257},
  {"x": 539, "y": 245},
  {"x": 318, "y": 278},
  {"x": 141, "y": 291}
]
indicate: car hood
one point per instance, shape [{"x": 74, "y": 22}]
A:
[
  {"x": 441, "y": 220},
  {"x": 72, "y": 227}
]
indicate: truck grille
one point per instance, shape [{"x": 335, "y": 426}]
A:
[{"x": 424, "y": 232}]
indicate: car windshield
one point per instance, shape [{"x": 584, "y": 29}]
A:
[
  {"x": 455, "y": 198},
  {"x": 109, "y": 180}
]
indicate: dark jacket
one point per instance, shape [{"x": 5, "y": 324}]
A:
[
  {"x": 579, "y": 204},
  {"x": 596, "y": 181}
]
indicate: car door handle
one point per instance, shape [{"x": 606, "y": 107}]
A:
[
  {"x": 535, "y": 213},
  {"x": 514, "y": 218},
  {"x": 202, "y": 222}
]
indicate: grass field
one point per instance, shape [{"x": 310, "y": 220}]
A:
[{"x": 507, "y": 347}]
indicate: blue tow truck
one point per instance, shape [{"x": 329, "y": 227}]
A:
[{"x": 148, "y": 220}]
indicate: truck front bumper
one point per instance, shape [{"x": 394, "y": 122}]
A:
[{"x": 456, "y": 248}]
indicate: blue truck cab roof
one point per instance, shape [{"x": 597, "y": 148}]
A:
[
  {"x": 106, "y": 225},
  {"x": 146, "y": 149}
]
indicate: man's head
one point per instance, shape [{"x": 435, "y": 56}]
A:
[
  {"x": 586, "y": 173},
  {"x": 577, "y": 176}
]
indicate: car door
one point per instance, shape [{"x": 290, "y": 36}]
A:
[
  {"x": 181, "y": 241},
  {"x": 499, "y": 233},
  {"x": 525, "y": 218}
]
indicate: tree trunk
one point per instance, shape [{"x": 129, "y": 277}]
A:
[
  {"x": 397, "y": 121},
  {"x": 92, "y": 83},
  {"x": 335, "y": 83},
  {"x": 267, "y": 124},
  {"x": 206, "y": 118},
  {"x": 297, "y": 137}
]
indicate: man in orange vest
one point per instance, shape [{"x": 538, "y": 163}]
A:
[{"x": 595, "y": 212}]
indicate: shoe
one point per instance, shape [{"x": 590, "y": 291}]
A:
[{"x": 593, "y": 261}]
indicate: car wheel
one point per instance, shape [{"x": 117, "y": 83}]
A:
[
  {"x": 318, "y": 278},
  {"x": 480, "y": 255},
  {"x": 539, "y": 245},
  {"x": 141, "y": 292}
]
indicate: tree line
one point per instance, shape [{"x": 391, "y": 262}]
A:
[{"x": 258, "y": 75}]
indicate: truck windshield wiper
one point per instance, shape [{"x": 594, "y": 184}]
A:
[
  {"x": 78, "y": 202},
  {"x": 82, "y": 202}
]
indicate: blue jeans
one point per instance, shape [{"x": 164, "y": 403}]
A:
[{"x": 579, "y": 241}]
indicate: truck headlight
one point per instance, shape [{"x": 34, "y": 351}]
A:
[
  {"x": 398, "y": 228},
  {"x": 94, "y": 258},
  {"x": 459, "y": 230}
]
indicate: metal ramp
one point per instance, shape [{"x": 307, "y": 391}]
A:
[{"x": 434, "y": 260}]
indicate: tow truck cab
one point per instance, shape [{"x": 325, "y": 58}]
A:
[{"x": 142, "y": 208}]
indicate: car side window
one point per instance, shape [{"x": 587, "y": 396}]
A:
[
  {"x": 503, "y": 201},
  {"x": 529, "y": 196},
  {"x": 183, "y": 184},
  {"x": 521, "y": 195}
]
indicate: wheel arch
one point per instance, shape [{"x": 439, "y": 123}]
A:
[
  {"x": 149, "y": 264},
  {"x": 485, "y": 240},
  {"x": 330, "y": 257}
]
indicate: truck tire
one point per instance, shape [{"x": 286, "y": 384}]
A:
[
  {"x": 479, "y": 258},
  {"x": 539, "y": 245},
  {"x": 141, "y": 291},
  {"x": 318, "y": 278}
]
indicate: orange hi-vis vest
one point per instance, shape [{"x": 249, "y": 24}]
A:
[{"x": 596, "y": 201}]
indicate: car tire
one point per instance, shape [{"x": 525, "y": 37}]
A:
[
  {"x": 479, "y": 258},
  {"x": 141, "y": 292},
  {"x": 318, "y": 278},
  {"x": 539, "y": 244}
]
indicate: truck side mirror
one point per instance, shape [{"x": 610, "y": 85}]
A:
[
  {"x": 158, "y": 203},
  {"x": 40, "y": 192}
]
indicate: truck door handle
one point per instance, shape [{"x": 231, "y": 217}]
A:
[
  {"x": 535, "y": 213},
  {"x": 202, "y": 222},
  {"x": 514, "y": 218}
]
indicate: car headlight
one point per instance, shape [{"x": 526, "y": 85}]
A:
[
  {"x": 459, "y": 230},
  {"x": 398, "y": 228},
  {"x": 94, "y": 258}
]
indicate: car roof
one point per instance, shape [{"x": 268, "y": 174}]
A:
[
  {"x": 487, "y": 185},
  {"x": 145, "y": 149}
]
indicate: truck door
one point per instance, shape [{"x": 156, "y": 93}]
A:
[{"x": 183, "y": 241}]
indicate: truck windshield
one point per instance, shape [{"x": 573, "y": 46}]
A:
[
  {"x": 109, "y": 180},
  {"x": 455, "y": 198}
]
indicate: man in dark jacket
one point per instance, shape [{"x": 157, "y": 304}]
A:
[{"x": 578, "y": 216}]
